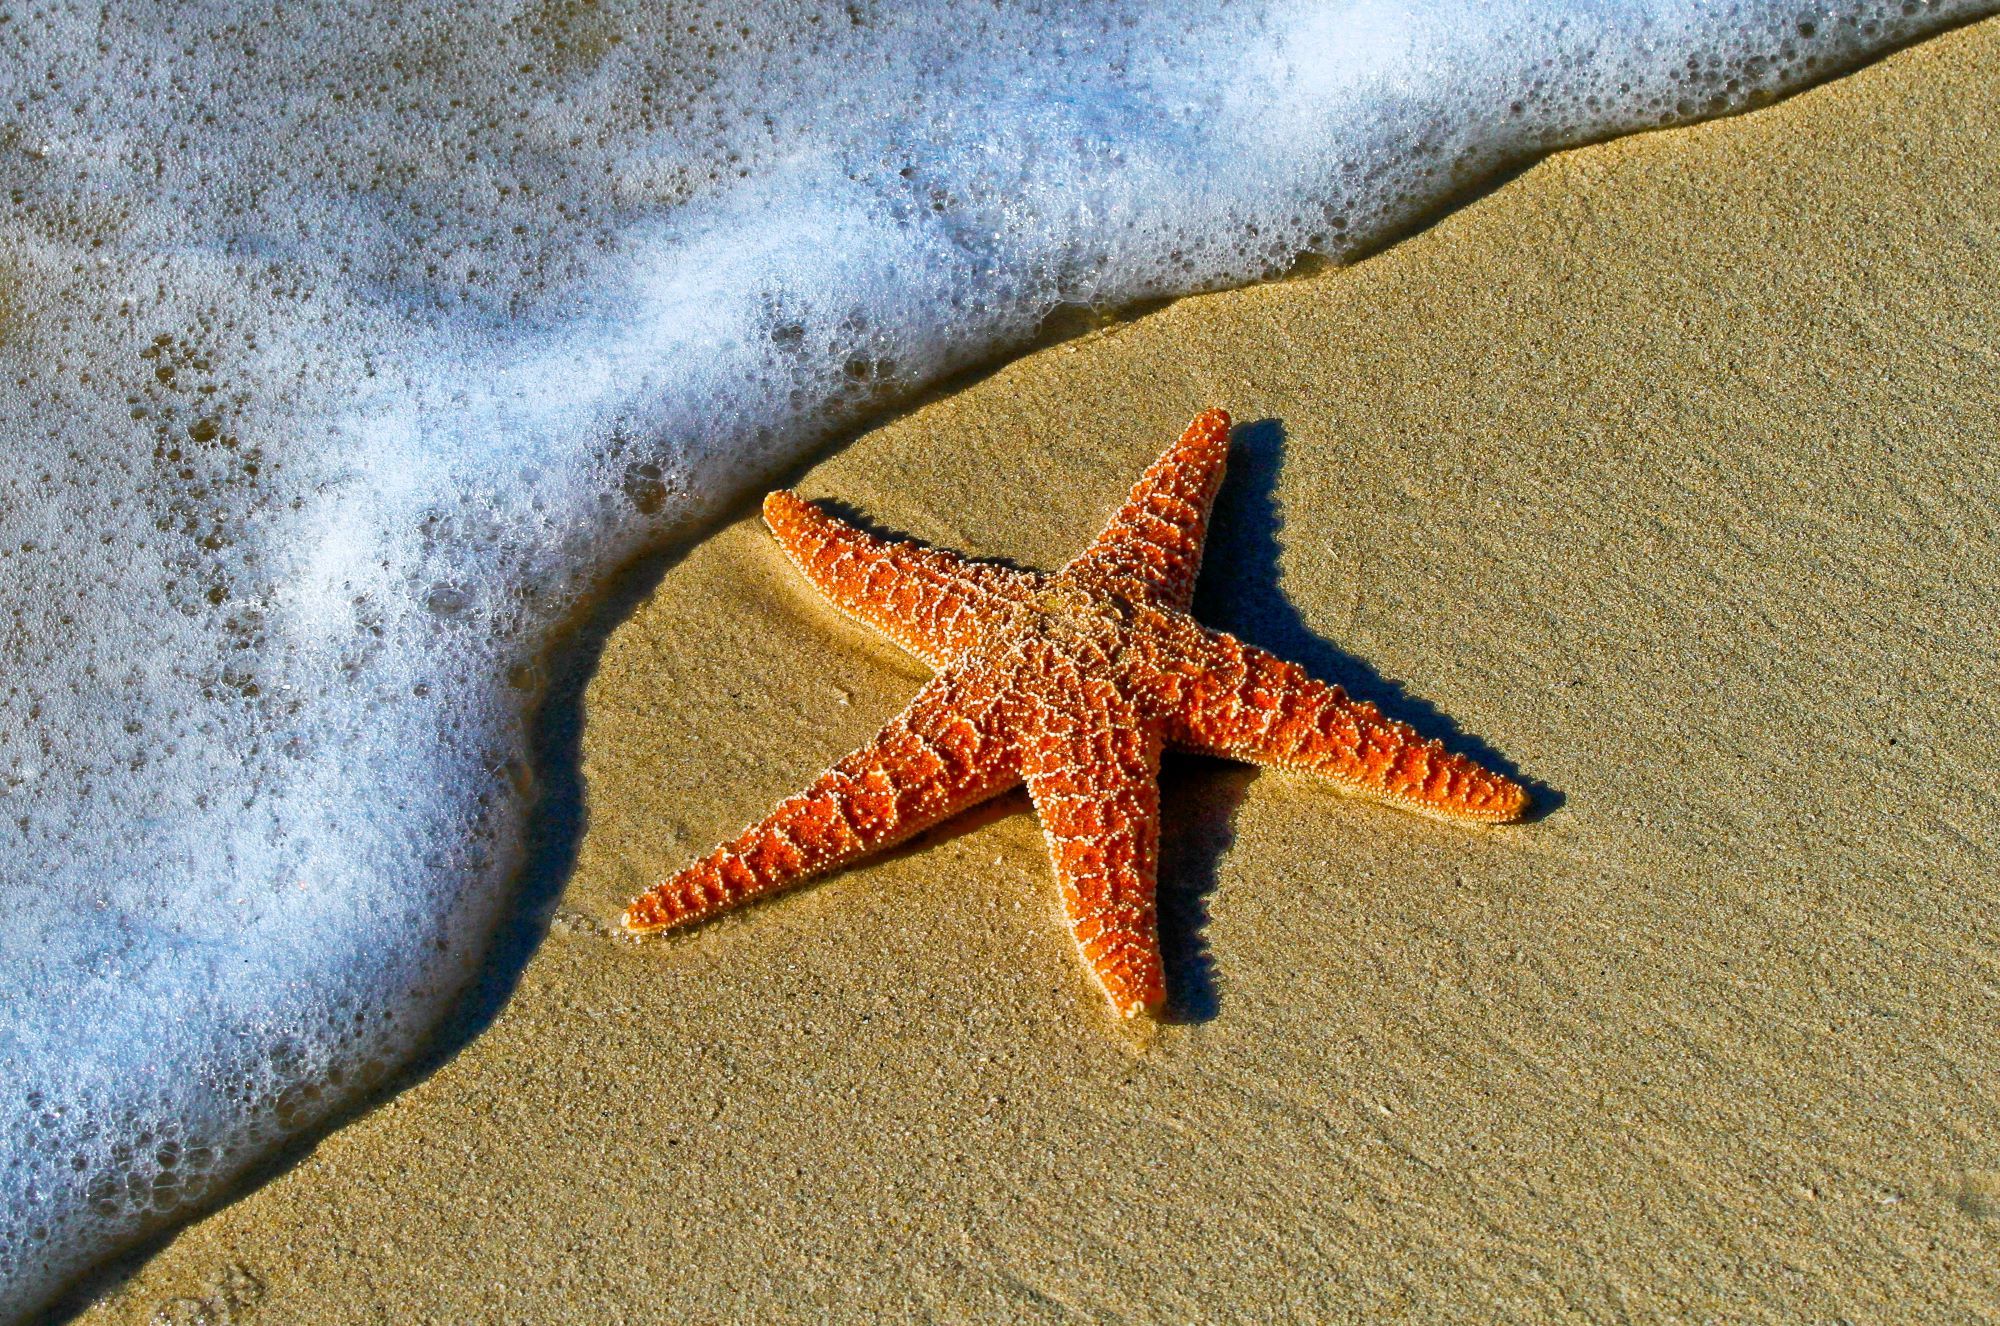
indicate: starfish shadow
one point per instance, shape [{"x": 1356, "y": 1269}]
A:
[
  {"x": 1198, "y": 802},
  {"x": 1199, "y": 798},
  {"x": 1248, "y": 601}
]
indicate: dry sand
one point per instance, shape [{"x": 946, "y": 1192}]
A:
[{"x": 1667, "y": 473}]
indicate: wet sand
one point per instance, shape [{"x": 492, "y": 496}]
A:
[{"x": 1665, "y": 476}]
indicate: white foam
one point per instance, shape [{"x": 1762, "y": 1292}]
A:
[{"x": 341, "y": 345}]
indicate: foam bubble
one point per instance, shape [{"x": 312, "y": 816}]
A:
[{"x": 340, "y": 346}]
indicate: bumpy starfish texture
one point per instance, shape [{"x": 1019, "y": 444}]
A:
[{"x": 1071, "y": 683}]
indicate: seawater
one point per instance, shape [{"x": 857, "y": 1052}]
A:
[{"x": 343, "y": 345}]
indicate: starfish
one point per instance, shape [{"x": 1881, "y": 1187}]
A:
[{"x": 1071, "y": 683}]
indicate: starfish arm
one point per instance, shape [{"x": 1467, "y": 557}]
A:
[
  {"x": 943, "y": 753},
  {"x": 1153, "y": 544},
  {"x": 930, "y": 601},
  {"x": 1253, "y": 706},
  {"x": 1095, "y": 784}
]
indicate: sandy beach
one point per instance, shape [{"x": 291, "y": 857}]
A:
[{"x": 1664, "y": 476}]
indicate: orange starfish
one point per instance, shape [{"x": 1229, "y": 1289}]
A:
[{"x": 1071, "y": 683}]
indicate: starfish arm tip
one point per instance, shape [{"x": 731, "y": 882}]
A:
[
  {"x": 1139, "y": 1010},
  {"x": 1507, "y": 803},
  {"x": 780, "y": 504},
  {"x": 645, "y": 915}
]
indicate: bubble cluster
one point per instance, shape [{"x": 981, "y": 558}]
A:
[{"x": 341, "y": 346}]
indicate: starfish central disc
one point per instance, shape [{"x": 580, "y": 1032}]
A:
[{"x": 1072, "y": 683}]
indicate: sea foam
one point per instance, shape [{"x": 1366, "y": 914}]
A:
[{"x": 342, "y": 346}]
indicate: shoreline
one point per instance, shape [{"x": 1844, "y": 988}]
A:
[{"x": 1297, "y": 595}]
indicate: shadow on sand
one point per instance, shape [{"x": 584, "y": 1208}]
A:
[{"x": 1240, "y": 592}]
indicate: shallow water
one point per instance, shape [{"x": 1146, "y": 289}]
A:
[{"x": 345, "y": 346}]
